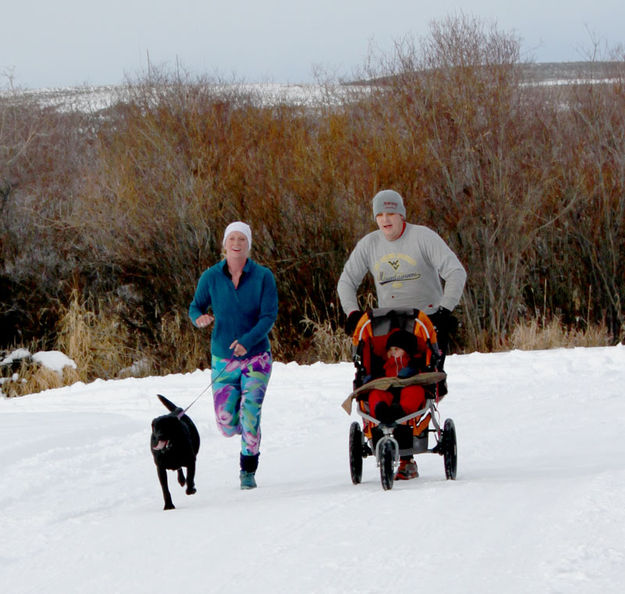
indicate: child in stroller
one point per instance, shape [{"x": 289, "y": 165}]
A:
[
  {"x": 396, "y": 389},
  {"x": 403, "y": 360}
]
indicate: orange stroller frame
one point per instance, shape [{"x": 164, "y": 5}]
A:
[{"x": 383, "y": 440}]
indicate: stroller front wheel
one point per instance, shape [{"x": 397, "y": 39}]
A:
[{"x": 387, "y": 464}]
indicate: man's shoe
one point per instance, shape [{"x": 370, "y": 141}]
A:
[
  {"x": 247, "y": 480},
  {"x": 407, "y": 470}
]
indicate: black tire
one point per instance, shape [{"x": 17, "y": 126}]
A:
[
  {"x": 387, "y": 464},
  {"x": 355, "y": 452},
  {"x": 450, "y": 449}
]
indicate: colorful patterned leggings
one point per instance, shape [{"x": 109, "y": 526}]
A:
[{"x": 238, "y": 393}]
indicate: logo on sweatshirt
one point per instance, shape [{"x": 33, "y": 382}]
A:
[
  {"x": 397, "y": 278},
  {"x": 396, "y": 269}
]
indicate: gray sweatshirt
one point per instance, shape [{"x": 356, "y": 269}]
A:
[{"x": 407, "y": 272}]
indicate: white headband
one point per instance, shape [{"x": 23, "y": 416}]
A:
[{"x": 241, "y": 228}]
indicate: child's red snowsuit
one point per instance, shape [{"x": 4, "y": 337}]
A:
[{"x": 411, "y": 398}]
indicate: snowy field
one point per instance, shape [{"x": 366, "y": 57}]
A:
[
  {"x": 97, "y": 98},
  {"x": 538, "y": 505}
]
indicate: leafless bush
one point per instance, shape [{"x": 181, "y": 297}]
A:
[
  {"x": 483, "y": 158},
  {"x": 44, "y": 155},
  {"x": 109, "y": 219}
]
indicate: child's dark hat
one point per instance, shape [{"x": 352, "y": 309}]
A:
[{"x": 404, "y": 340}]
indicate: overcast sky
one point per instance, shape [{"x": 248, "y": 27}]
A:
[{"x": 72, "y": 42}]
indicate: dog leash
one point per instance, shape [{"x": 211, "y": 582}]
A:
[{"x": 180, "y": 414}]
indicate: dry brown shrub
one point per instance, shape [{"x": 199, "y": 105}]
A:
[
  {"x": 538, "y": 334},
  {"x": 525, "y": 183},
  {"x": 328, "y": 344},
  {"x": 33, "y": 377},
  {"x": 188, "y": 348},
  {"x": 42, "y": 379},
  {"x": 70, "y": 375},
  {"x": 95, "y": 340}
]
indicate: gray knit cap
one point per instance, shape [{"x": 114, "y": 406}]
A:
[{"x": 388, "y": 201}]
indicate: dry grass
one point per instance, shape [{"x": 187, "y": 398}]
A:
[
  {"x": 327, "y": 344},
  {"x": 32, "y": 377},
  {"x": 323, "y": 342},
  {"x": 538, "y": 334},
  {"x": 45, "y": 379},
  {"x": 188, "y": 348},
  {"x": 102, "y": 346},
  {"x": 94, "y": 339}
]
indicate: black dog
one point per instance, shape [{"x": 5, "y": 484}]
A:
[{"x": 175, "y": 443}]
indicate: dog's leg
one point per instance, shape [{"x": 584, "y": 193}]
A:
[
  {"x": 181, "y": 479},
  {"x": 191, "y": 478},
  {"x": 162, "y": 477}
]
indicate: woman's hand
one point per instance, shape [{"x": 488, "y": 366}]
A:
[
  {"x": 239, "y": 349},
  {"x": 204, "y": 320}
]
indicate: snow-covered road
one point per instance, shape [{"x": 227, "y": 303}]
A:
[{"x": 538, "y": 506}]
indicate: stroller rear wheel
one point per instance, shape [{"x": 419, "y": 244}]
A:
[
  {"x": 387, "y": 464},
  {"x": 450, "y": 449},
  {"x": 355, "y": 452}
]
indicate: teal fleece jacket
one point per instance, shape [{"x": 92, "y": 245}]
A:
[{"x": 246, "y": 313}]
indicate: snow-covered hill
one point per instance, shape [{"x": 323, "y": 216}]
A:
[
  {"x": 98, "y": 98},
  {"x": 538, "y": 506}
]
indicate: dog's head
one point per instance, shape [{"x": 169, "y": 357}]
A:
[{"x": 165, "y": 429}]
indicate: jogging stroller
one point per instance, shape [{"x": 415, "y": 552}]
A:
[{"x": 409, "y": 434}]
